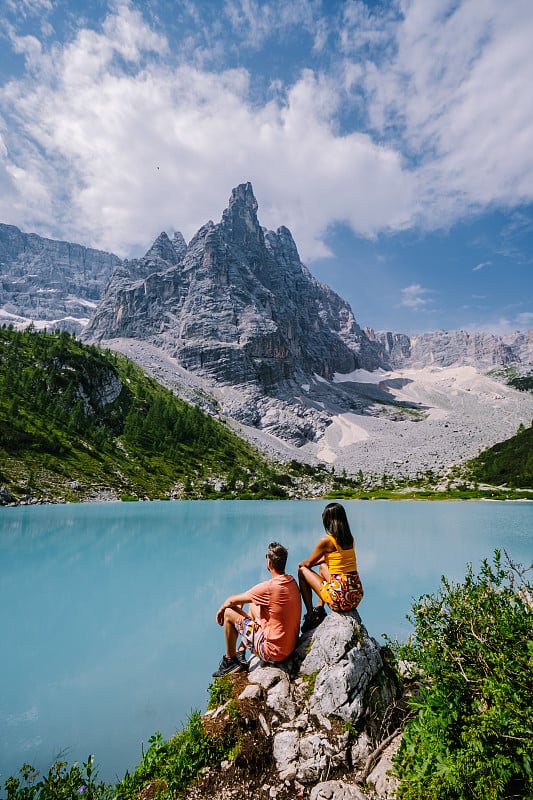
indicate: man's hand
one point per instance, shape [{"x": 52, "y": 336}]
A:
[
  {"x": 220, "y": 613},
  {"x": 236, "y": 601}
]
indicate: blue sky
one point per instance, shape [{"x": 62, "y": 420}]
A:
[{"x": 394, "y": 139}]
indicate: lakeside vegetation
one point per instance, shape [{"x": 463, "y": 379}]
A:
[
  {"x": 471, "y": 736},
  {"x": 468, "y": 736},
  {"x": 509, "y": 462}
]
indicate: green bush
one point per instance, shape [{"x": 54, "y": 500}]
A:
[
  {"x": 220, "y": 691},
  {"x": 61, "y": 783},
  {"x": 174, "y": 764},
  {"x": 472, "y": 738}
]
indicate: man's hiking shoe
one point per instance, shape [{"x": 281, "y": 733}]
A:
[
  {"x": 228, "y": 665},
  {"x": 313, "y": 618},
  {"x": 241, "y": 657}
]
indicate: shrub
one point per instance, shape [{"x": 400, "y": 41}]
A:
[
  {"x": 472, "y": 738},
  {"x": 174, "y": 764},
  {"x": 61, "y": 783},
  {"x": 220, "y": 691}
]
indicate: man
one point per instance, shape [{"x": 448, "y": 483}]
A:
[{"x": 270, "y": 627}]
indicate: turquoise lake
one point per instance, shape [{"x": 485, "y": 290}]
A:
[{"x": 107, "y": 611}]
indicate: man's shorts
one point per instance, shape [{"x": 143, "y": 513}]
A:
[
  {"x": 252, "y": 635},
  {"x": 343, "y": 592}
]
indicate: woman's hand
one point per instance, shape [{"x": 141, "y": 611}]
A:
[{"x": 322, "y": 547}]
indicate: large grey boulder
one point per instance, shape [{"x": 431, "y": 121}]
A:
[
  {"x": 317, "y": 715},
  {"x": 347, "y": 661},
  {"x": 336, "y": 790},
  {"x": 5, "y": 496}
]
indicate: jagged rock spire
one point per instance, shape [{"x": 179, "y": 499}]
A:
[
  {"x": 169, "y": 251},
  {"x": 239, "y": 220},
  {"x": 179, "y": 244}
]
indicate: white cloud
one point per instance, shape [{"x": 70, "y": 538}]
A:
[
  {"x": 103, "y": 128},
  {"x": 415, "y": 297},
  {"x": 525, "y": 320},
  {"x": 25, "y": 7},
  {"x": 362, "y": 27},
  {"x": 255, "y": 21},
  {"x": 446, "y": 84},
  {"x": 481, "y": 265},
  {"x": 502, "y": 324},
  {"x": 459, "y": 86}
]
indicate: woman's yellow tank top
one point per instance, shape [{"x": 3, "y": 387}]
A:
[{"x": 340, "y": 560}]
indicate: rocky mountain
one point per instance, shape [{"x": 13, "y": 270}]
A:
[
  {"x": 278, "y": 350},
  {"x": 236, "y": 304},
  {"x": 47, "y": 281},
  {"x": 235, "y": 322},
  {"x": 453, "y": 348}
]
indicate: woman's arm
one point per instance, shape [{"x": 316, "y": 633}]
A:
[{"x": 322, "y": 547}]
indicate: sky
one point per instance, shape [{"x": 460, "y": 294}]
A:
[{"x": 394, "y": 139}]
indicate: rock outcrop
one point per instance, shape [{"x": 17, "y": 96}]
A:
[
  {"x": 315, "y": 723},
  {"x": 50, "y": 281}
]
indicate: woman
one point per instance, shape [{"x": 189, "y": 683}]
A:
[{"x": 338, "y": 584}]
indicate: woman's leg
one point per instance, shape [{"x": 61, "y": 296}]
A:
[
  {"x": 309, "y": 580},
  {"x": 325, "y": 575}
]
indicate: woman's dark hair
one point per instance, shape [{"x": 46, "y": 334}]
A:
[
  {"x": 336, "y": 523},
  {"x": 278, "y": 556}
]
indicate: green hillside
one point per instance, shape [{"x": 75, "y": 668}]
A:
[
  {"x": 76, "y": 421},
  {"x": 509, "y": 462}
]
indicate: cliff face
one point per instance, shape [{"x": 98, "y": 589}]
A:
[
  {"x": 237, "y": 310},
  {"x": 453, "y": 348},
  {"x": 46, "y": 280},
  {"x": 316, "y": 726}
]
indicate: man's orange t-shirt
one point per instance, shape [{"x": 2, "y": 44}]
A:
[{"x": 280, "y": 609}]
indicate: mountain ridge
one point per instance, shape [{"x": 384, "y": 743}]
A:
[
  {"x": 39, "y": 285},
  {"x": 261, "y": 341}
]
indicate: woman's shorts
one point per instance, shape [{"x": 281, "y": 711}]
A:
[
  {"x": 343, "y": 592},
  {"x": 252, "y": 635}
]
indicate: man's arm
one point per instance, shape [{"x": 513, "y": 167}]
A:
[{"x": 235, "y": 600}]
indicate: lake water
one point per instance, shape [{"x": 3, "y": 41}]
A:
[{"x": 107, "y": 610}]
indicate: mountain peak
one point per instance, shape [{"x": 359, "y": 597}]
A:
[
  {"x": 164, "y": 249},
  {"x": 239, "y": 220},
  {"x": 243, "y": 194}
]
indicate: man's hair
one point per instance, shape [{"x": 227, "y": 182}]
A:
[{"x": 278, "y": 556}]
